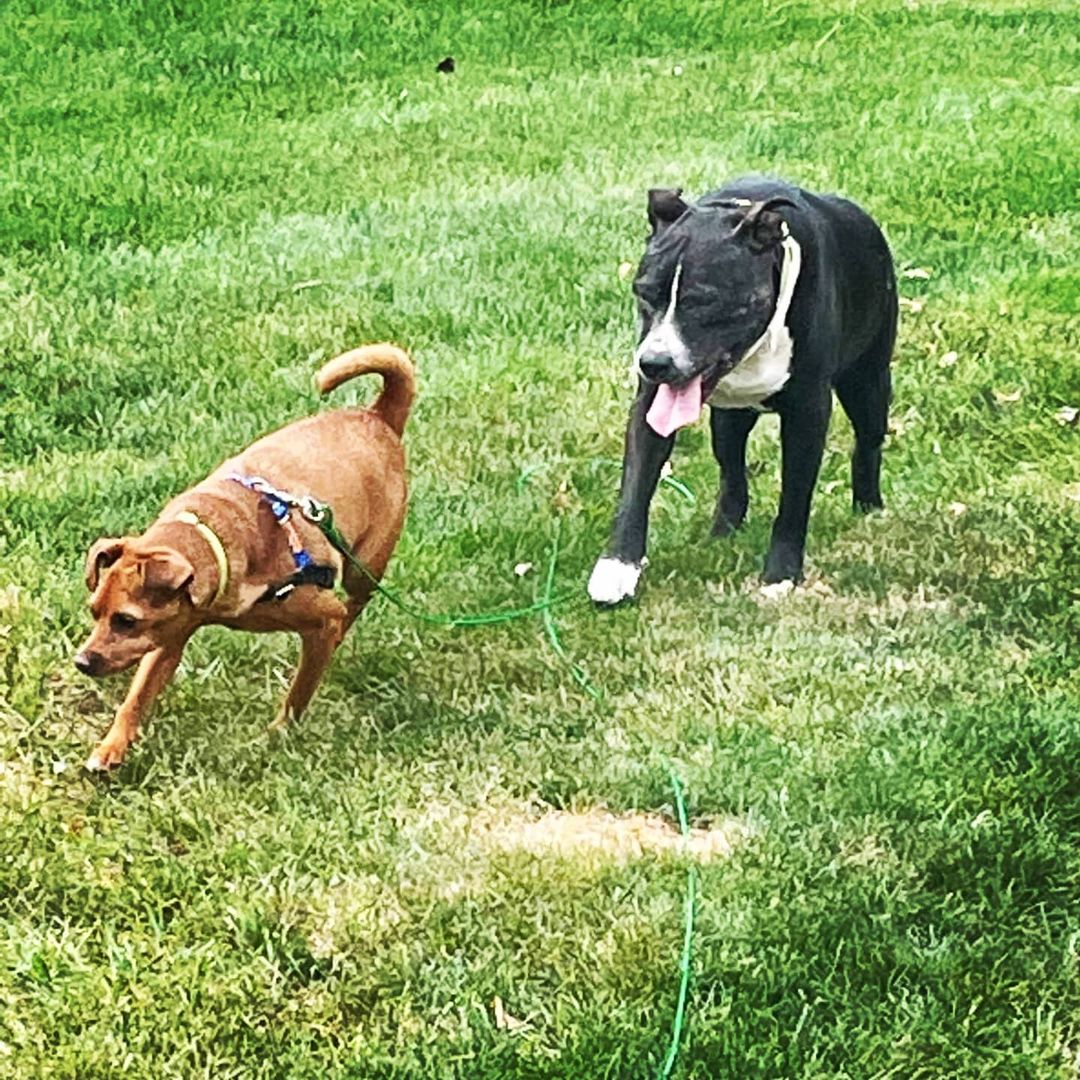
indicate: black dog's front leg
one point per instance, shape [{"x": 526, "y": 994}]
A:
[
  {"x": 802, "y": 441},
  {"x": 616, "y": 573},
  {"x": 730, "y": 429}
]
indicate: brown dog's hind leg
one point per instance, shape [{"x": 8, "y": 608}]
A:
[
  {"x": 358, "y": 599},
  {"x": 154, "y": 671},
  {"x": 326, "y": 620}
]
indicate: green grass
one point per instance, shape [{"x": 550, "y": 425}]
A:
[{"x": 901, "y": 738}]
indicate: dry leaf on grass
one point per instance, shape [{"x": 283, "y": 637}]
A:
[
  {"x": 503, "y": 1020},
  {"x": 1067, "y": 416},
  {"x": 1007, "y": 397}
]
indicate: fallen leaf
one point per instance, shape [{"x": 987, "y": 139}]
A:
[
  {"x": 523, "y": 568},
  {"x": 625, "y": 270},
  {"x": 920, "y": 273},
  {"x": 914, "y": 306},
  {"x": 1007, "y": 397},
  {"x": 957, "y": 508},
  {"x": 503, "y": 1020},
  {"x": 563, "y": 499},
  {"x": 1068, "y": 416},
  {"x": 949, "y": 358}
]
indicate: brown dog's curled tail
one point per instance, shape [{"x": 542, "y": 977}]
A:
[{"x": 392, "y": 363}]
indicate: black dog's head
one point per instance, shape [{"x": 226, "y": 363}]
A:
[{"x": 707, "y": 285}]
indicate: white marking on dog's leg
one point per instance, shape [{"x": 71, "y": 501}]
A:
[{"x": 613, "y": 580}]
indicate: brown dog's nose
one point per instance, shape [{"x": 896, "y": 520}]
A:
[{"x": 89, "y": 663}]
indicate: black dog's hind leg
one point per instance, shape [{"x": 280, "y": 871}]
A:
[
  {"x": 615, "y": 576},
  {"x": 802, "y": 442},
  {"x": 730, "y": 430},
  {"x": 865, "y": 392}
]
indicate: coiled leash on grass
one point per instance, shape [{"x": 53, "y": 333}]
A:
[{"x": 320, "y": 515}]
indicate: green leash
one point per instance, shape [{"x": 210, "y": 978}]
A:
[
  {"x": 553, "y": 631},
  {"x": 686, "y": 957},
  {"x": 321, "y": 515},
  {"x": 678, "y": 1022}
]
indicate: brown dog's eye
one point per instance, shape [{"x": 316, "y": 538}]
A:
[{"x": 123, "y": 622}]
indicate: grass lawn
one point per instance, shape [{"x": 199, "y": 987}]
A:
[{"x": 197, "y": 206}]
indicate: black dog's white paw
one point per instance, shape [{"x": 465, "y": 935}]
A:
[
  {"x": 784, "y": 563},
  {"x": 613, "y": 580}
]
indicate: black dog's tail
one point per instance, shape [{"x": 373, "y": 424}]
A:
[{"x": 392, "y": 363}]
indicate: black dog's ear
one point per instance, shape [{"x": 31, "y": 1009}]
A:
[
  {"x": 763, "y": 226},
  {"x": 665, "y": 208},
  {"x": 104, "y": 553}
]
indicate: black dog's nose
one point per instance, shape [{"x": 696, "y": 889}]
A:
[
  {"x": 89, "y": 663},
  {"x": 657, "y": 366}
]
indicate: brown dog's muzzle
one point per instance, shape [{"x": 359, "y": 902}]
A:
[{"x": 90, "y": 663}]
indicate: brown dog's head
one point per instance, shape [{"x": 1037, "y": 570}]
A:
[{"x": 142, "y": 597}]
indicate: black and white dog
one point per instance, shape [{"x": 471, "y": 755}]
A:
[{"x": 760, "y": 296}]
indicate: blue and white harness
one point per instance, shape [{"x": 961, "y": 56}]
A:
[{"x": 282, "y": 503}]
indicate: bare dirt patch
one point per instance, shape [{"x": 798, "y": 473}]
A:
[{"x": 616, "y": 837}]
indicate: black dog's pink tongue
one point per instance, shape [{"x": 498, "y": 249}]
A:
[{"x": 675, "y": 408}]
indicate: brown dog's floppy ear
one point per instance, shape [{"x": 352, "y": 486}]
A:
[
  {"x": 167, "y": 571},
  {"x": 763, "y": 225},
  {"x": 665, "y": 207},
  {"x": 103, "y": 553}
]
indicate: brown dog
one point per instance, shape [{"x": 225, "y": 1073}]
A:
[{"x": 216, "y": 553}]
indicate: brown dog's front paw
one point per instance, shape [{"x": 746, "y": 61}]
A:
[
  {"x": 283, "y": 721},
  {"x": 107, "y": 755}
]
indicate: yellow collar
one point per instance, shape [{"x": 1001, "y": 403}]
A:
[{"x": 216, "y": 546}]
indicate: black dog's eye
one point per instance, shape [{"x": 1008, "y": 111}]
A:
[
  {"x": 649, "y": 304},
  {"x": 122, "y": 621}
]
